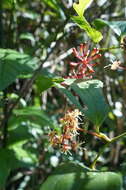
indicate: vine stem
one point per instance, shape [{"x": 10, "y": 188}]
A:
[{"x": 93, "y": 165}]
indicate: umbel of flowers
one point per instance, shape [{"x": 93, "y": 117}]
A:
[{"x": 84, "y": 66}]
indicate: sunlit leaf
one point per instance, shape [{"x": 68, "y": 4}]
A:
[
  {"x": 25, "y": 155},
  {"x": 27, "y": 36},
  {"x": 95, "y": 35},
  {"x": 81, "y": 6},
  {"x": 81, "y": 21}
]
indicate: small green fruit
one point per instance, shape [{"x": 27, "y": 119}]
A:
[{"x": 72, "y": 176}]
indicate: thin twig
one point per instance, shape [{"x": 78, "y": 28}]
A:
[{"x": 110, "y": 48}]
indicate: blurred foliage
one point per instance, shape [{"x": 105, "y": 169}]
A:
[{"x": 36, "y": 38}]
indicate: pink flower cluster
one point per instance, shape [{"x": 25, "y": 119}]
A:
[{"x": 84, "y": 67}]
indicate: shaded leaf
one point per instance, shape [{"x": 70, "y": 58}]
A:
[
  {"x": 54, "y": 4},
  {"x": 8, "y": 162},
  {"x": 119, "y": 27},
  {"x": 14, "y": 64},
  {"x": 91, "y": 95},
  {"x": 44, "y": 82},
  {"x": 34, "y": 114},
  {"x": 70, "y": 96},
  {"x": 18, "y": 134},
  {"x": 8, "y": 4}
]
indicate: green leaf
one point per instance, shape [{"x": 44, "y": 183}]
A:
[
  {"x": 19, "y": 134},
  {"x": 99, "y": 23},
  {"x": 44, "y": 82},
  {"x": 27, "y": 36},
  {"x": 73, "y": 176},
  {"x": 119, "y": 27},
  {"x": 33, "y": 114},
  {"x": 27, "y": 157},
  {"x": 54, "y": 4},
  {"x": 80, "y": 20},
  {"x": 8, "y": 161},
  {"x": 14, "y": 64},
  {"x": 90, "y": 93},
  {"x": 8, "y": 4},
  {"x": 95, "y": 35},
  {"x": 81, "y": 6},
  {"x": 70, "y": 96},
  {"x": 30, "y": 14}
]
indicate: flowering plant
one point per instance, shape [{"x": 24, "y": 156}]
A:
[{"x": 84, "y": 68}]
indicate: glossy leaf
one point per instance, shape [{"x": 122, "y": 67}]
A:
[
  {"x": 14, "y": 64},
  {"x": 71, "y": 176}
]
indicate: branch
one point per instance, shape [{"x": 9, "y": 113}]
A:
[{"x": 103, "y": 148}]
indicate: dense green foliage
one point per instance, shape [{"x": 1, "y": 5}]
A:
[{"x": 36, "y": 38}]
